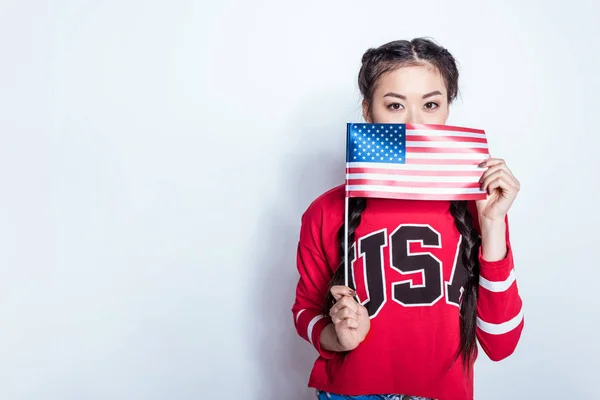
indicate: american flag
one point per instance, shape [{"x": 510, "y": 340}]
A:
[{"x": 423, "y": 162}]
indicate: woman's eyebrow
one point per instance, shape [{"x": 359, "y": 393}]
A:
[
  {"x": 400, "y": 96},
  {"x": 392, "y": 94},
  {"x": 431, "y": 94}
]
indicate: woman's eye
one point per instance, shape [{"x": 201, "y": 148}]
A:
[
  {"x": 431, "y": 105},
  {"x": 395, "y": 106}
]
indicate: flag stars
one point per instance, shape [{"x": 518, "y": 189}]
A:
[{"x": 377, "y": 143}]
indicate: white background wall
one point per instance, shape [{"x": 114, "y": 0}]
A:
[{"x": 155, "y": 159}]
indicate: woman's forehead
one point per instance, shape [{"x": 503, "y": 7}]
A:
[{"x": 409, "y": 80}]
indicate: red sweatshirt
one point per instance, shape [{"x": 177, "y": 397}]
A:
[{"x": 412, "y": 299}]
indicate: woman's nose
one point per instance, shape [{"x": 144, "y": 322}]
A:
[{"x": 414, "y": 117}]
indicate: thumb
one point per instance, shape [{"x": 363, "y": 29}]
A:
[{"x": 339, "y": 291}]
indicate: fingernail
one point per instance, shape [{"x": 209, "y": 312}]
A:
[
  {"x": 351, "y": 292},
  {"x": 482, "y": 164}
]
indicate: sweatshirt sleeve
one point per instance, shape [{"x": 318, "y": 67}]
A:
[
  {"x": 312, "y": 286},
  {"x": 499, "y": 307}
]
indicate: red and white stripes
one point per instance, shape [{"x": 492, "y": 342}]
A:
[
  {"x": 500, "y": 317},
  {"x": 306, "y": 321}
]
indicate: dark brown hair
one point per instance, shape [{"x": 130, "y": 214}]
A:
[{"x": 375, "y": 63}]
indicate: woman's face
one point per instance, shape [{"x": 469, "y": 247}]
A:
[{"x": 409, "y": 95}]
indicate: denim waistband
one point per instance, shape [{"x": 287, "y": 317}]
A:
[{"x": 321, "y": 395}]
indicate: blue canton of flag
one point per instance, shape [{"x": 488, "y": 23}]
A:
[{"x": 377, "y": 143}]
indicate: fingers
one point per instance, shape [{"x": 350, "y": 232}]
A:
[
  {"x": 491, "y": 162},
  {"x": 499, "y": 183},
  {"x": 501, "y": 179},
  {"x": 343, "y": 314},
  {"x": 362, "y": 311},
  {"x": 345, "y": 302},
  {"x": 346, "y": 311},
  {"x": 339, "y": 291},
  {"x": 349, "y": 323},
  {"x": 497, "y": 170}
]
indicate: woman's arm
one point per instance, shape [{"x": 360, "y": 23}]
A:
[
  {"x": 500, "y": 318},
  {"x": 310, "y": 293},
  {"x": 499, "y": 306}
]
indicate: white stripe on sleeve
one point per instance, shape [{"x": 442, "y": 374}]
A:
[
  {"x": 298, "y": 315},
  {"x": 498, "y": 286},
  {"x": 499, "y": 329},
  {"x": 311, "y": 325}
]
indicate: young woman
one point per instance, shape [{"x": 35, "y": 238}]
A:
[{"x": 439, "y": 274}]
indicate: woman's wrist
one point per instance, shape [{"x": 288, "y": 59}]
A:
[
  {"x": 329, "y": 340},
  {"x": 493, "y": 239}
]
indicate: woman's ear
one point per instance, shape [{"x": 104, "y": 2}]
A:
[{"x": 366, "y": 112}]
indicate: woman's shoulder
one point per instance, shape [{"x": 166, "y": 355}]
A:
[
  {"x": 324, "y": 215},
  {"x": 329, "y": 203}
]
